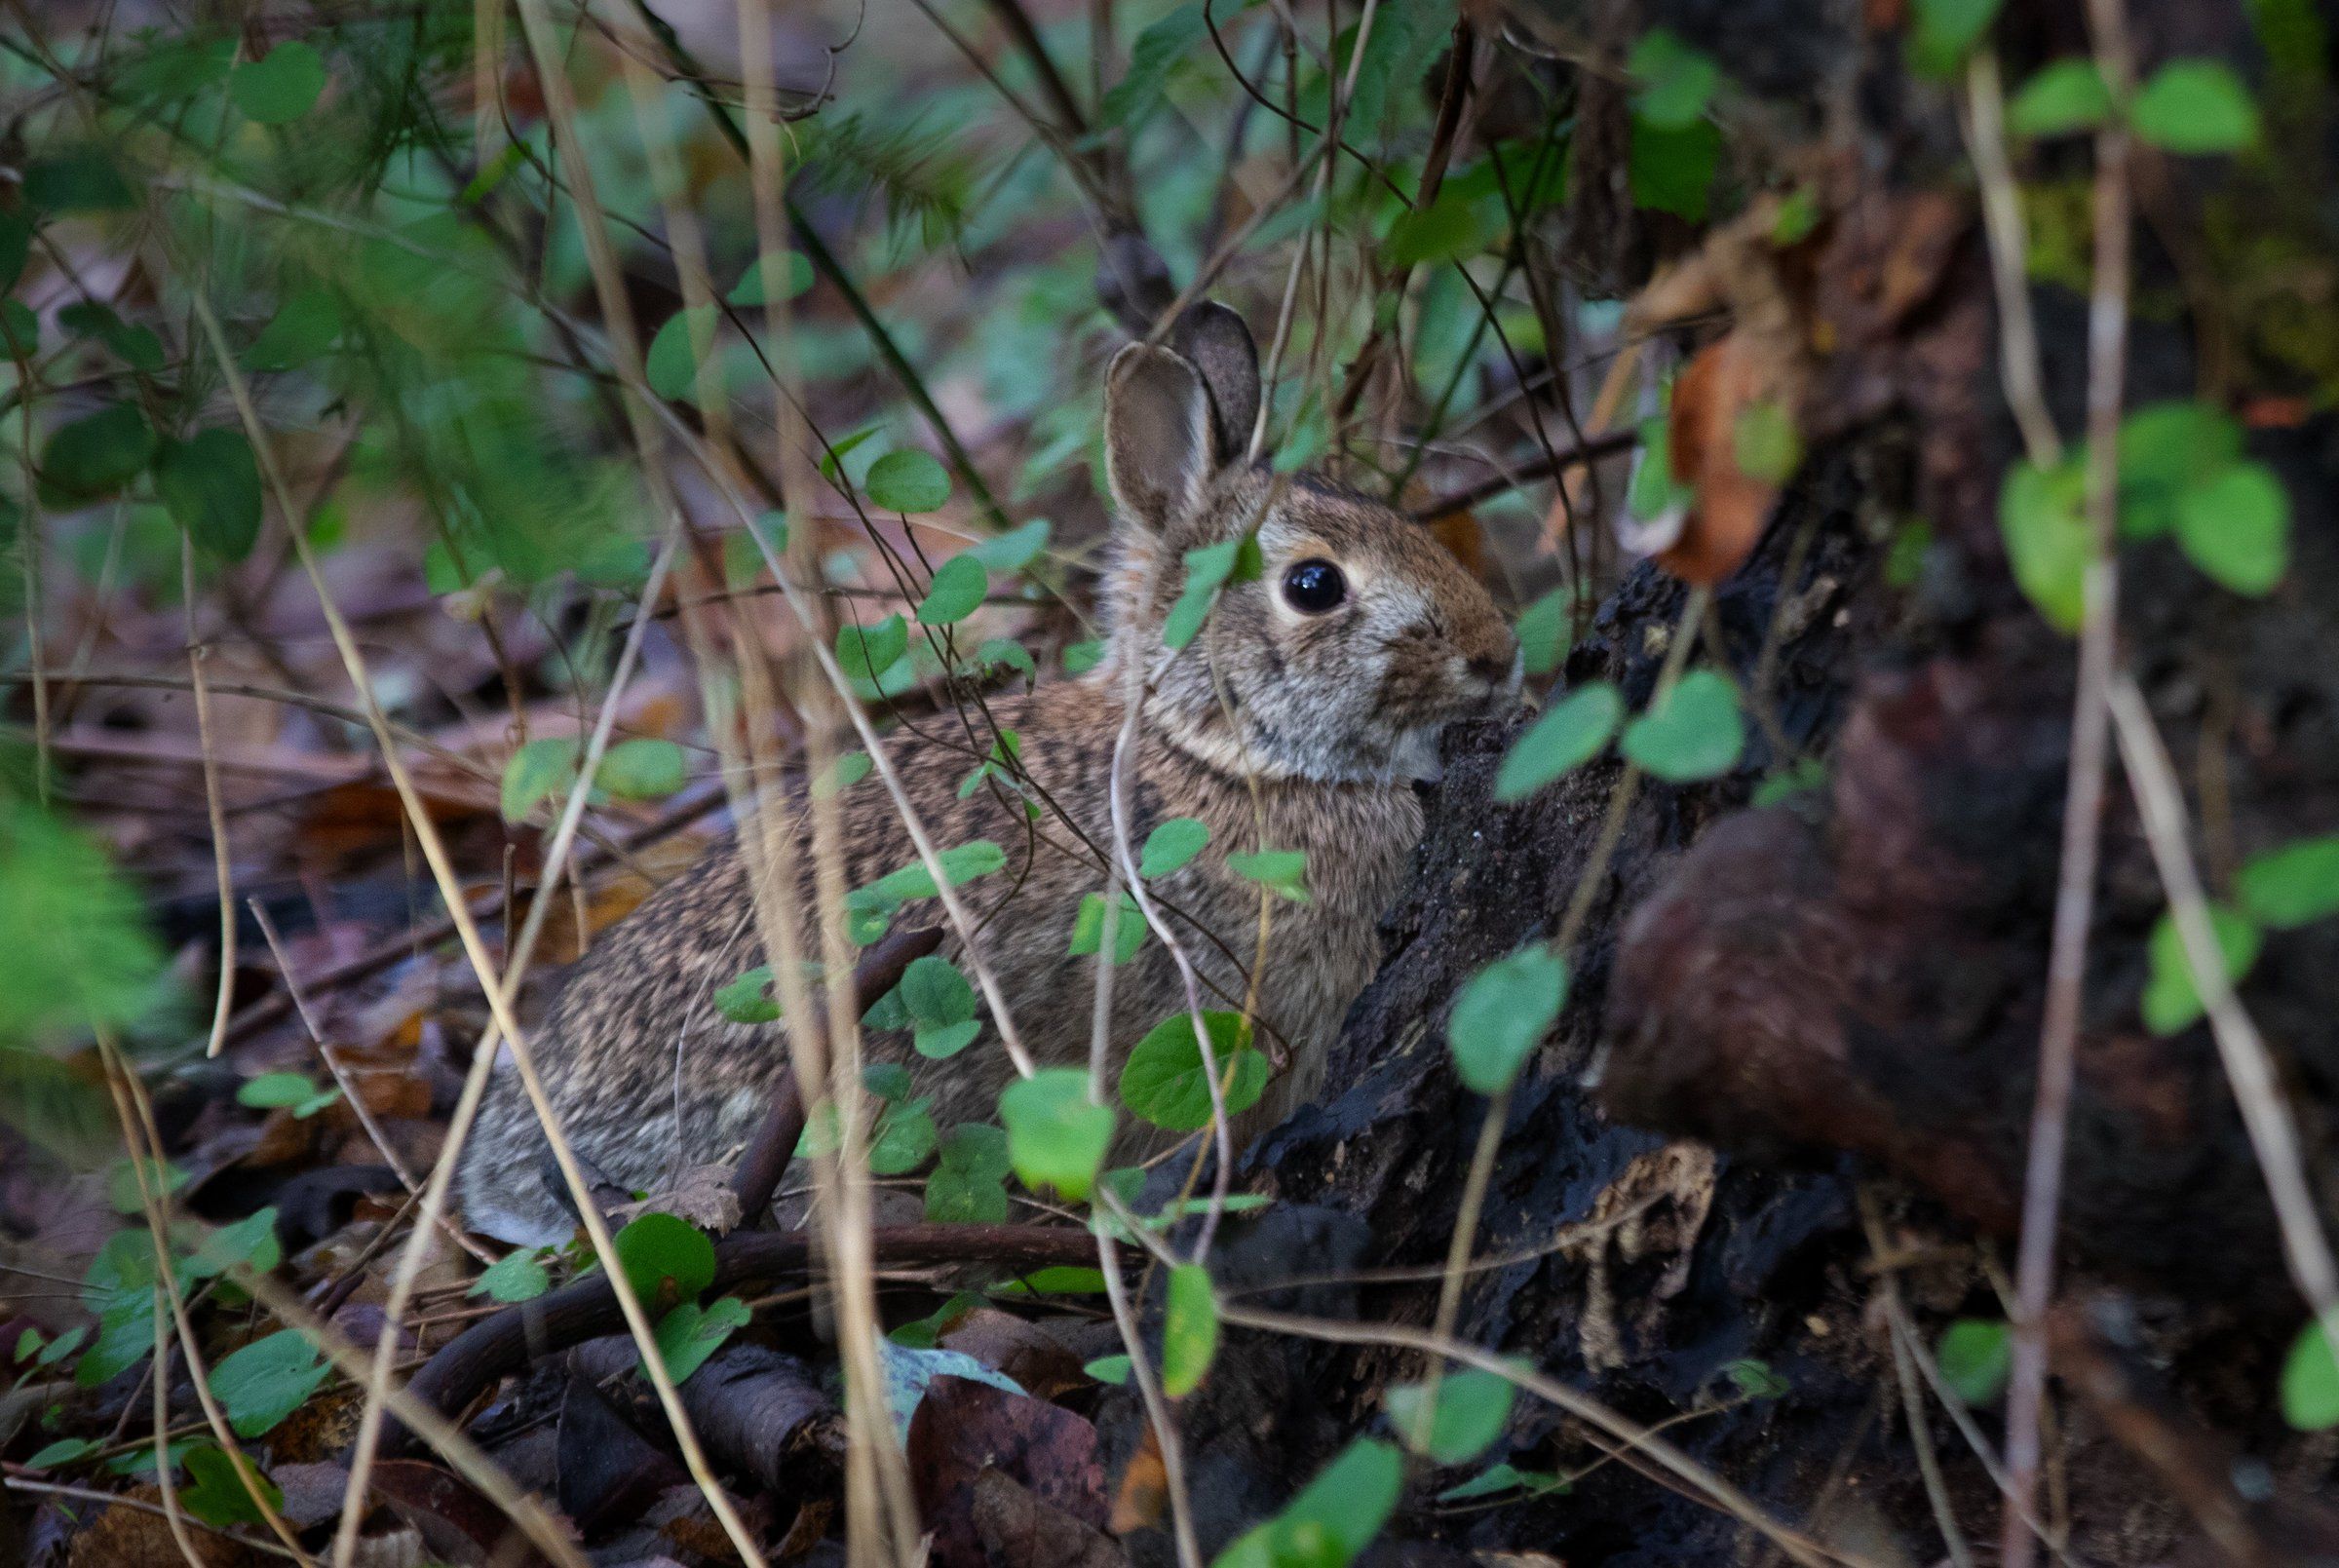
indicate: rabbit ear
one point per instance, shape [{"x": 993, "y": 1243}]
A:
[
  {"x": 1215, "y": 338},
  {"x": 1160, "y": 444}
]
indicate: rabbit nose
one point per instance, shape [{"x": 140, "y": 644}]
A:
[{"x": 1495, "y": 668}]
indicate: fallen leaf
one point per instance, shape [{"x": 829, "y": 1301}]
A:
[{"x": 963, "y": 1429}]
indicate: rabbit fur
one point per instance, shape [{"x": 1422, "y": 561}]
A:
[{"x": 1276, "y": 727}]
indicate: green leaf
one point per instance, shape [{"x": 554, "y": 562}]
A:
[
  {"x": 749, "y": 289},
  {"x": 210, "y": 486},
  {"x": 281, "y": 85},
  {"x": 2067, "y": 95},
  {"x": 79, "y": 179},
  {"x": 2195, "y": 106},
  {"x": 907, "y": 480},
  {"x": 1058, "y": 1280},
  {"x": 1164, "y": 1081},
  {"x": 1454, "y": 227},
  {"x": 98, "y": 453},
  {"x": 122, "y": 1189},
  {"x": 537, "y": 771},
  {"x": 1333, "y": 1518},
  {"x": 1569, "y": 734},
  {"x": 998, "y": 651},
  {"x": 1502, "y": 1014},
  {"x": 1112, "y": 1370},
  {"x": 935, "y": 992},
  {"x": 670, "y": 366},
  {"x": 1975, "y": 1355},
  {"x": 19, "y": 328},
  {"x": 845, "y": 770},
  {"x": 947, "y": 1040},
  {"x": 967, "y": 1186},
  {"x": 1545, "y": 631},
  {"x": 1284, "y": 871},
  {"x": 1171, "y": 845},
  {"x": 221, "y": 1485},
  {"x": 16, "y": 246},
  {"x": 308, "y": 324},
  {"x": 270, "y": 1091},
  {"x": 1055, "y": 1137},
  {"x": 2236, "y": 527},
  {"x": 1756, "y": 1379},
  {"x": 743, "y": 556},
  {"x": 1675, "y": 80},
  {"x": 1503, "y": 1479},
  {"x": 748, "y": 999},
  {"x": 666, "y": 1259},
  {"x": 643, "y": 769},
  {"x": 266, "y": 1381},
  {"x": 2291, "y": 885},
  {"x": 1672, "y": 170},
  {"x": 2166, "y": 449},
  {"x": 514, "y": 1277},
  {"x": 2172, "y": 995},
  {"x": 2047, "y": 538},
  {"x": 1152, "y": 54},
  {"x": 1082, "y": 657},
  {"x": 1946, "y": 31},
  {"x": 904, "y": 1140},
  {"x": 63, "y": 1451},
  {"x": 1765, "y": 443},
  {"x": 1208, "y": 568},
  {"x": 1189, "y": 1329},
  {"x": 689, "y": 1335},
  {"x": 136, "y": 346},
  {"x": 1472, "y": 1407},
  {"x": 1014, "y": 549},
  {"x": 1694, "y": 732},
  {"x": 247, "y": 1243},
  {"x": 2309, "y": 1383},
  {"x": 961, "y": 864},
  {"x": 959, "y": 586},
  {"x": 867, "y": 652},
  {"x": 1088, "y": 928}
]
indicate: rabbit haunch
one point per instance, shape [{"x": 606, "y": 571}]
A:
[{"x": 1300, "y": 718}]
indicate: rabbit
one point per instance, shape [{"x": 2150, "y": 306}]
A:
[{"x": 1302, "y": 717}]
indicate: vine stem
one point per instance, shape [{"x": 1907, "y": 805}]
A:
[{"x": 2083, "y": 802}]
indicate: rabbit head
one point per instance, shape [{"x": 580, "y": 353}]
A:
[{"x": 1359, "y": 638}]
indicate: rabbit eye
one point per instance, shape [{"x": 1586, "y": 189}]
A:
[{"x": 1314, "y": 587}]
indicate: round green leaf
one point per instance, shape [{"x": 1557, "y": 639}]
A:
[
  {"x": 1975, "y": 1355},
  {"x": 671, "y": 367},
  {"x": 904, "y": 1140},
  {"x": 2311, "y": 1382},
  {"x": 1501, "y": 1015},
  {"x": 1473, "y": 1405},
  {"x": 1170, "y": 845},
  {"x": 1695, "y": 732},
  {"x": 266, "y": 1381},
  {"x": 749, "y": 289},
  {"x": 1543, "y": 633},
  {"x": 307, "y": 326},
  {"x": 270, "y": 1091},
  {"x": 1055, "y": 1137},
  {"x": 98, "y": 453},
  {"x": 514, "y": 1277},
  {"x": 539, "y": 769},
  {"x": 867, "y": 652},
  {"x": 2172, "y": 995},
  {"x": 643, "y": 769},
  {"x": 2293, "y": 884},
  {"x": 1676, "y": 81},
  {"x": 1164, "y": 1080},
  {"x": 1014, "y": 549},
  {"x": 1569, "y": 734},
  {"x": 748, "y": 999},
  {"x": 907, "y": 480},
  {"x": 281, "y": 85},
  {"x": 689, "y": 1335},
  {"x": 220, "y": 1487},
  {"x": 2195, "y": 106},
  {"x": 665, "y": 1260},
  {"x": 959, "y": 585},
  {"x": 2067, "y": 95},
  {"x": 2236, "y": 527},
  {"x": 210, "y": 486},
  {"x": 2047, "y": 538},
  {"x": 936, "y": 993},
  {"x": 1189, "y": 1329}
]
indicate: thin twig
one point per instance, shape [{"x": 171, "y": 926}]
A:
[{"x": 2082, "y": 805}]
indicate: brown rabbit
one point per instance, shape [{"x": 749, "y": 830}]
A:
[{"x": 1300, "y": 718}]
